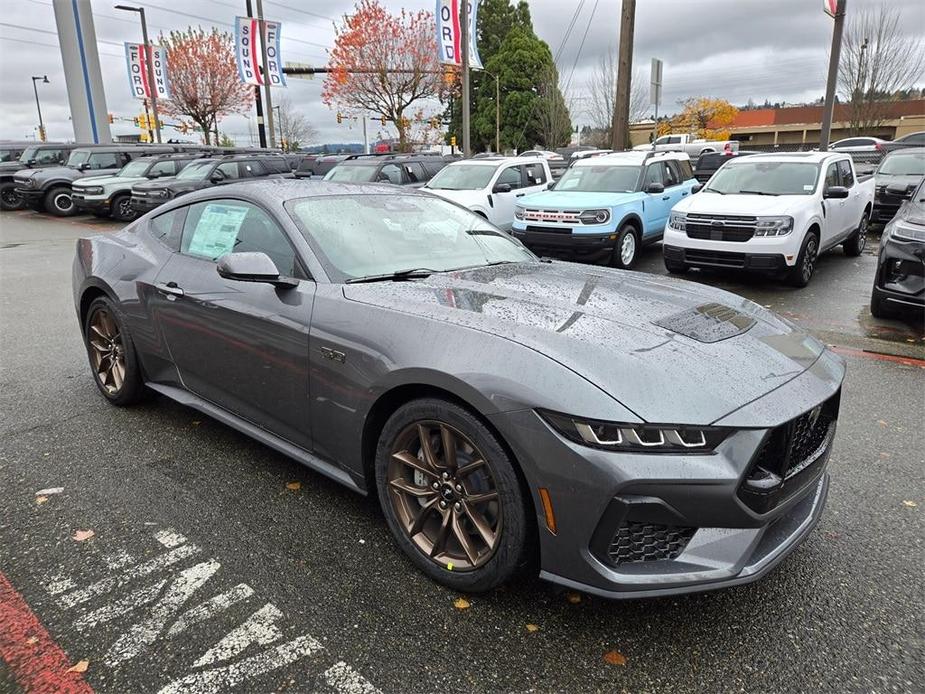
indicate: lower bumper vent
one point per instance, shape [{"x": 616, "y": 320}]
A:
[{"x": 635, "y": 542}]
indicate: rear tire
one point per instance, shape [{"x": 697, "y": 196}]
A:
[
  {"x": 626, "y": 249},
  {"x": 111, "y": 352},
  {"x": 121, "y": 209},
  {"x": 428, "y": 524},
  {"x": 9, "y": 199},
  {"x": 801, "y": 273},
  {"x": 856, "y": 244},
  {"x": 59, "y": 203}
]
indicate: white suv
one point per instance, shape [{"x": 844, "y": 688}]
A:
[{"x": 489, "y": 186}]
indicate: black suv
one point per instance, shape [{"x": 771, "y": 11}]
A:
[
  {"x": 34, "y": 156},
  {"x": 49, "y": 189},
  {"x": 899, "y": 285},
  {"x": 895, "y": 178},
  {"x": 401, "y": 169},
  {"x": 318, "y": 164},
  {"x": 207, "y": 172},
  {"x": 709, "y": 163}
]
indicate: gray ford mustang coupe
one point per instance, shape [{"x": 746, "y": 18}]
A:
[{"x": 624, "y": 434}]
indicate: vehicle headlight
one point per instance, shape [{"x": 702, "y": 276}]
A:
[
  {"x": 518, "y": 213},
  {"x": 773, "y": 226},
  {"x": 26, "y": 182},
  {"x": 161, "y": 193},
  {"x": 900, "y": 229},
  {"x": 677, "y": 220},
  {"x": 594, "y": 216},
  {"x": 638, "y": 438},
  {"x": 91, "y": 190}
]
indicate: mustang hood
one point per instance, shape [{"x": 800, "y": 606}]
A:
[
  {"x": 671, "y": 351},
  {"x": 563, "y": 200}
]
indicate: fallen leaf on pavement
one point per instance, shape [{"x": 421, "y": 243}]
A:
[
  {"x": 81, "y": 666},
  {"x": 82, "y": 535},
  {"x": 49, "y": 491},
  {"x": 882, "y": 424},
  {"x": 32, "y": 640},
  {"x": 461, "y": 604},
  {"x": 884, "y": 455},
  {"x": 910, "y": 504},
  {"x": 573, "y": 598},
  {"x": 41, "y": 499},
  {"x": 294, "y": 486},
  {"x": 532, "y": 627},
  {"x": 196, "y": 422},
  {"x": 614, "y": 658}
]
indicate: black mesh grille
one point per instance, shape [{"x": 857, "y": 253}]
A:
[
  {"x": 635, "y": 542},
  {"x": 727, "y": 233}
]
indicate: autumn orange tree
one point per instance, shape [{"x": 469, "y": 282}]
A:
[
  {"x": 204, "y": 81},
  {"x": 704, "y": 117},
  {"x": 385, "y": 65}
]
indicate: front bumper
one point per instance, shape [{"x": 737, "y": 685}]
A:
[
  {"x": 696, "y": 257},
  {"x": 765, "y": 254},
  {"x": 97, "y": 204},
  {"x": 144, "y": 203},
  {"x": 644, "y": 525},
  {"x": 900, "y": 278},
  {"x": 562, "y": 242},
  {"x": 32, "y": 196}
]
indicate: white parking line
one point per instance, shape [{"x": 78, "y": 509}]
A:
[
  {"x": 259, "y": 628},
  {"x": 210, "y": 608},
  {"x": 343, "y": 678}
]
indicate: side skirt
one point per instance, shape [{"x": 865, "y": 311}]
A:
[{"x": 184, "y": 397}]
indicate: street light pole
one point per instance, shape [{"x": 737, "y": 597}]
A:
[
  {"x": 834, "y": 56},
  {"x": 38, "y": 106},
  {"x": 464, "y": 48},
  {"x": 279, "y": 122},
  {"x": 149, "y": 63}
]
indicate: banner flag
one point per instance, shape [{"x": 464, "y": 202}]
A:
[
  {"x": 248, "y": 52},
  {"x": 449, "y": 34},
  {"x": 136, "y": 60}
]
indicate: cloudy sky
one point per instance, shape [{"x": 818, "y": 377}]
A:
[{"x": 734, "y": 49}]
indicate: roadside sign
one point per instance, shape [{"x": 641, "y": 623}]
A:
[
  {"x": 655, "y": 83},
  {"x": 301, "y": 66},
  {"x": 830, "y": 7}
]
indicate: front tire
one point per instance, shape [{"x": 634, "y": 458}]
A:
[
  {"x": 9, "y": 199},
  {"x": 856, "y": 244},
  {"x": 111, "y": 352},
  {"x": 626, "y": 249},
  {"x": 801, "y": 273},
  {"x": 59, "y": 203},
  {"x": 676, "y": 268},
  {"x": 878, "y": 308},
  {"x": 451, "y": 496},
  {"x": 121, "y": 209}
]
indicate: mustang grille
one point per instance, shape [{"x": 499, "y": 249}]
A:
[{"x": 636, "y": 542}]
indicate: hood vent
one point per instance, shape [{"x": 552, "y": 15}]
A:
[{"x": 708, "y": 323}]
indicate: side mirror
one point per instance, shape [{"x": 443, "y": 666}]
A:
[
  {"x": 216, "y": 177},
  {"x": 502, "y": 188},
  {"x": 83, "y": 167},
  {"x": 696, "y": 188},
  {"x": 835, "y": 192},
  {"x": 900, "y": 191},
  {"x": 655, "y": 188},
  {"x": 154, "y": 174},
  {"x": 252, "y": 267}
]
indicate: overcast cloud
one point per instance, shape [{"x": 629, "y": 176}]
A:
[{"x": 734, "y": 49}]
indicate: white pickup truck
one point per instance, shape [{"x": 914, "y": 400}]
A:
[
  {"x": 771, "y": 213},
  {"x": 694, "y": 147}
]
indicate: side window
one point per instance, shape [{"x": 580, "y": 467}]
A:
[
  {"x": 672, "y": 174},
  {"x": 48, "y": 156},
  {"x": 674, "y": 140},
  {"x": 252, "y": 169},
  {"x": 416, "y": 173},
  {"x": 163, "y": 168},
  {"x": 390, "y": 173},
  {"x": 831, "y": 176},
  {"x": 914, "y": 139},
  {"x": 168, "y": 227},
  {"x": 511, "y": 176},
  {"x": 104, "y": 160},
  {"x": 230, "y": 169},
  {"x": 217, "y": 227},
  {"x": 536, "y": 174},
  {"x": 844, "y": 171},
  {"x": 654, "y": 174},
  {"x": 686, "y": 172}
]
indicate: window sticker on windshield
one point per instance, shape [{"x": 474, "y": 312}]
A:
[
  {"x": 808, "y": 187},
  {"x": 217, "y": 230}
]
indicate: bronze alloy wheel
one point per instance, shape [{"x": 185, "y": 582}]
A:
[
  {"x": 444, "y": 495},
  {"x": 107, "y": 351}
]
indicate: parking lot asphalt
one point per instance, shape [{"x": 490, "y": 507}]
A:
[{"x": 217, "y": 563}]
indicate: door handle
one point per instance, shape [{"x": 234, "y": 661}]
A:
[
  {"x": 170, "y": 289},
  {"x": 667, "y": 197},
  {"x": 519, "y": 195},
  {"x": 684, "y": 193}
]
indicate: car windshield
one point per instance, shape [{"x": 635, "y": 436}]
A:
[
  {"x": 765, "y": 177},
  {"x": 352, "y": 173},
  {"x": 196, "y": 171},
  {"x": 78, "y": 156},
  {"x": 911, "y": 164},
  {"x": 599, "y": 179},
  {"x": 135, "y": 169},
  {"x": 369, "y": 235},
  {"x": 462, "y": 177}
]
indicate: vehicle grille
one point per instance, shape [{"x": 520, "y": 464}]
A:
[
  {"x": 720, "y": 228},
  {"x": 549, "y": 230},
  {"x": 717, "y": 258},
  {"x": 787, "y": 451},
  {"x": 636, "y": 542}
]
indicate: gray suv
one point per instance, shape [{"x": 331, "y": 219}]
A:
[{"x": 35, "y": 156}]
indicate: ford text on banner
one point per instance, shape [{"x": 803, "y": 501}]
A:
[
  {"x": 248, "y": 52},
  {"x": 448, "y": 31},
  {"x": 136, "y": 58}
]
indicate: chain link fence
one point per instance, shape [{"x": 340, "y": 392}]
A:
[{"x": 864, "y": 162}]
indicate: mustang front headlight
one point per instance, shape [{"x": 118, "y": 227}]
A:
[
  {"x": 677, "y": 220},
  {"x": 594, "y": 216},
  {"x": 773, "y": 226},
  {"x": 638, "y": 438}
]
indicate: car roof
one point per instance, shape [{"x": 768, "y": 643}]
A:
[
  {"x": 810, "y": 157},
  {"x": 280, "y": 190},
  {"x": 495, "y": 161},
  {"x": 635, "y": 158},
  {"x": 919, "y": 151}
]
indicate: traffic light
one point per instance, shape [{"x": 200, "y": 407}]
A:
[
  {"x": 42, "y": 133},
  {"x": 136, "y": 122},
  {"x": 184, "y": 128},
  {"x": 452, "y": 140},
  {"x": 382, "y": 120},
  {"x": 111, "y": 119},
  {"x": 340, "y": 119}
]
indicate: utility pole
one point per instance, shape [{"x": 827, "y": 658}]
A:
[
  {"x": 464, "y": 47},
  {"x": 621, "y": 104},
  {"x": 497, "y": 116},
  {"x": 266, "y": 73},
  {"x": 44, "y": 80},
  {"x": 834, "y": 57},
  {"x": 258, "y": 99}
]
